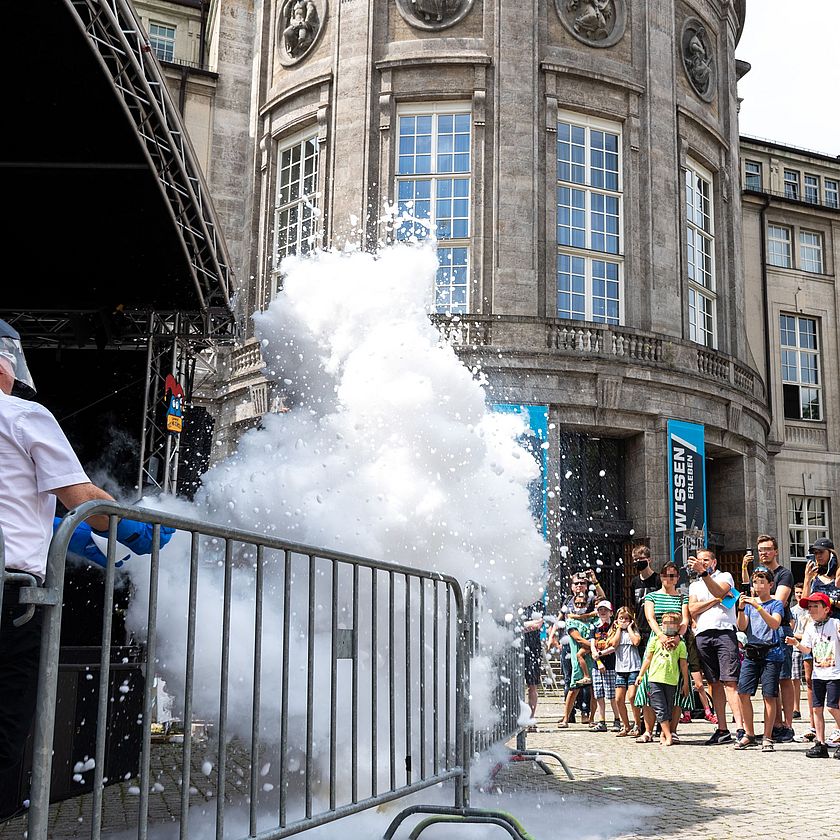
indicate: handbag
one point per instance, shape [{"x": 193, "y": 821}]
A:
[{"x": 757, "y": 653}]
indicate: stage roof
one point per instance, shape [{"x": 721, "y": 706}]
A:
[{"x": 105, "y": 202}]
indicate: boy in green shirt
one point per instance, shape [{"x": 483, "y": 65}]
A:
[{"x": 664, "y": 668}]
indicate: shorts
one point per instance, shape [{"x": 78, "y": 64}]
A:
[
  {"x": 797, "y": 670},
  {"x": 719, "y": 657},
  {"x": 826, "y": 693},
  {"x": 603, "y": 684},
  {"x": 787, "y": 665},
  {"x": 533, "y": 664},
  {"x": 624, "y": 679},
  {"x": 661, "y": 696},
  {"x": 765, "y": 671},
  {"x": 691, "y": 651}
]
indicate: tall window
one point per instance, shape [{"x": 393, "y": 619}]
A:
[
  {"x": 831, "y": 193},
  {"x": 700, "y": 253},
  {"x": 791, "y": 184},
  {"x": 434, "y": 188},
  {"x": 779, "y": 249},
  {"x": 812, "y": 189},
  {"x": 162, "y": 41},
  {"x": 589, "y": 220},
  {"x": 810, "y": 251},
  {"x": 807, "y": 521},
  {"x": 296, "y": 201},
  {"x": 752, "y": 175},
  {"x": 801, "y": 385}
]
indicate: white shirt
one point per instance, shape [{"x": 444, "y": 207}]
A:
[
  {"x": 35, "y": 459},
  {"x": 824, "y": 641},
  {"x": 717, "y": 617}
]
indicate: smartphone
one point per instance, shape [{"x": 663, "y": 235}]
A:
[{"x": 749, "y": 551}]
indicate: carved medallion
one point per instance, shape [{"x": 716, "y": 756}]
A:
[
  {"x": 598, "y": 23},
  {"x": 433, "y": 14},
  {"x": 298, "y": 28},
  {"x": 698, "y": 58}
]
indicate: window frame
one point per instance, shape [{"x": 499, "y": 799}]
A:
[
  {"x": 788, "y": 241},
  {"x": 748, "y": 175},
  {"x": 809, "y": 532},
  {"x": 158, "y": 37},
  {"x": 795, "y": 184},
  {"x": 698, "y": 173},
  {"x": 801, "y": 351},
  {"x": 445, "y": 244},
  {"x": 811, "y": 192},
  {"x": 285, "y": 144},
  {"x": 834, "y": 190},
  {"x": 816, "y": 246},
  {"x": 589, "y": 255}
]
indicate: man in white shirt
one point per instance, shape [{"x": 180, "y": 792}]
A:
[
  {"x": 37, "y": 464},
  {"x": 714, "y": 630}
]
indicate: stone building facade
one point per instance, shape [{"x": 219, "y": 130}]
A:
[{"x": 580, "y": 164}]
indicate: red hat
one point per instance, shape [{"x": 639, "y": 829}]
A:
[{"x": 813, "y": 597}]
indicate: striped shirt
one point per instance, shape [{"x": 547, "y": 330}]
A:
[{"x": 665, "y": 603}]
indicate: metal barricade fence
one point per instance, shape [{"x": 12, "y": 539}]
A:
[
  {"x": 386, "y": 643},
  {"x": 508, "y": 665}
]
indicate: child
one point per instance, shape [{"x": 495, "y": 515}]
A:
[
  {"x": 664, "y": 667},
  {"x": 603, "y": 677},
  {"x": 579, "y": 632},
  {"x": 625, "y": 638},
  {"x": 760, "y": 617},
  {"x": 822, "y": 640}
]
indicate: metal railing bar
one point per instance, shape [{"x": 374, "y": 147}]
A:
[
  {"x": 104, "y": 680},
  {"x": 448, "y": 701},
  {"x": 408, "y": 734},
  {"x": 186, "y": 761},
  {"x": 374, "y": 688},
  {"x": 435, "y": 679},
  {"x": 422, "y": 689},
  {"x": 392, "y": 700},
  {"x": 256, "y": 699},
  {"x": 354, "y": 743},
  {"x": 333, "y": 682},
  {"x": 151, "y": 652},
  {"x": 221, "y": 759},
  {"x": 284, "y": 703},
  {"x": 310, "y": 688}
]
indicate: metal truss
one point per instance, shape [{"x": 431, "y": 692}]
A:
[
  {"x": 117, "y": 328},
  {"x": 117, "y": 37}
]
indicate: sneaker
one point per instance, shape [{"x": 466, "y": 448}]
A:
[
  {"x": 833, "y": 740},
  {"x": 686, "y": 717},
  {"x": 785, "y": 735},
  {"x": 740, "y": 734},
  {"x": 710, "y": 716},
  {"x": 767, "y": 745},
  {"x": 805, "y": 737},
  {"x": 797, "y": 715},
  {"x": 719, "y": 736},
  {"x": 617, "y": 727},
  {"x": 600, "y": 726},
  {"x": 817, "y": 751},
  {"x": 837, "y": 753}
]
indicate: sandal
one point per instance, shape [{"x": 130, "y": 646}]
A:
[
  {"x": 745, "y": 742},
  {"x": 622, "y": 733},
  {"x": 675, "y": 739},
  {"x": 633, "y": 732},
  {"x": 644, "y": 739},
  {"x": 562, "y": 724},
  {"x": 767, "y": 745}
]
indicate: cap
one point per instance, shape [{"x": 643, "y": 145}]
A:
[
  {"x": 604, "y": 603},
  {"x": 823, "y": 543},
  {"x": 813, "y": 598}
]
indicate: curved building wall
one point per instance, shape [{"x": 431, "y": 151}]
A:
[{"x": 591, "y": 241}]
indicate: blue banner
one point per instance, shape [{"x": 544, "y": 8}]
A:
[
  {"x": 535, "y": 441},
  {"x": 686, "y": 489}
]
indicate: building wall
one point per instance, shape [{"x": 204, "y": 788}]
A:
[{"x": 807, "y": 459}]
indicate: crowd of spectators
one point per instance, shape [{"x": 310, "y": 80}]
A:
[{"x": 693, "y": 646}]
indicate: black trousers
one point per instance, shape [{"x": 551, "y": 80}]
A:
[{"x": 19, "y": 653}]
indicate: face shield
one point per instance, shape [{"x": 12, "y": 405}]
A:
[{"x": 12, "y": 358}]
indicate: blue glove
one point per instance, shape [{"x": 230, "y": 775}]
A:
[
  {"x": 137, "y": 536},
  {"x": 82, "y": 545}
]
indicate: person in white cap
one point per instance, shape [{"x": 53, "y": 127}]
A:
[{"x": 603, "y": 675}]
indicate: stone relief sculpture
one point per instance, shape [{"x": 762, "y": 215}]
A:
[
  {"x": 433, "y": 14},
  {"x": 300, "y": 24},
  {"x": 698, "y": 59},
  {"x": 598, "y": 23}
]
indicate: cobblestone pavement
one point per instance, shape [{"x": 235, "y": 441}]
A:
[
  {"x": 692, "y": 791},
  {"x": 686, "y": 792}
]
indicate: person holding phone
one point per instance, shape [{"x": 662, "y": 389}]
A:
[{"x": 822, "y": 573}]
